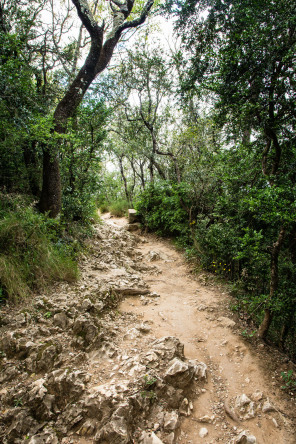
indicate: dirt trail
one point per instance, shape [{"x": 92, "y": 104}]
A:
[
  {"x": 200, "y": 318},
  {"x": 87, "y": 363}
]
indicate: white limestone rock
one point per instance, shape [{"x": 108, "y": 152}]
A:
[
  {"x": 245, "y": 438},
  {"x": 203, "y": 432},
  {"x": 150, "y": 438},
  {"x": 171, "y": 421}
]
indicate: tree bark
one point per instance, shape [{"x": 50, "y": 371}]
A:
[
  {"x": 284, "y": 332},
  {"x": 274, "y": 280},
  {"x": 32, "y": 168},
  {"x": 142, "y": 175},
  {"x": 99, "y": 56},
  {"x": 123, "y": 178},
  {"x": 50, "y": 200}
]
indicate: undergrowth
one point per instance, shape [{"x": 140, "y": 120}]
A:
[
  {"x": 235, "y": 248},
  {"x": 34, "y": 250},
  {"x": 117, "y": 208}
]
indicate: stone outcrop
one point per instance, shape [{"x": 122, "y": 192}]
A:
[{"x": 63, "y": 368}]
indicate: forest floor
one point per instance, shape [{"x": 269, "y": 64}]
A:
[
  {"x": 71, "y": 375},
  {"x": 198, "y": 314}
]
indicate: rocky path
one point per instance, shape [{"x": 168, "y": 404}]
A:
[
  {"x": 138, "y": 351},
  {"x": 242, "y": 392}
]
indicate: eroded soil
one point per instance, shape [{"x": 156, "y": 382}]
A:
[{"x": 103, "y": 361}]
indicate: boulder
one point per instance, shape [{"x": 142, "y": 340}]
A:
[
  {"x": 8, "y": 344},
  {"x": 168, "y": 347},
  {"x": 257, "y": 396},
  {"x": 207, "y": 419},
  {"x": 66, "y": 385},
  {"x": 200, "y": 372},
  {"x": 226, "y": 322},
  {"x": 184, "y": 408},
  {"x": 43, "y": 357},
  {"x": 132, "y": 216},
  {"x": 179, "y": 374},
  {"x": 153, "y": 256},
  {"x": 8, "y": 372},
  {"x": 88, "y": 428},
  {"x": 21, "y": 422},
  {"x": 87, "y": 305},
  {"x": 71, "y": 417},
  {"x": 40, "y": 401},
  {"x": 61, "y": 320},
  {"x": 85, "y": 329},
  {"x": 171, "y": 421},
  {"x": 170, "y": 439},
  {"x": 241, "y": 401},
  {"x": 133, "y": 227},
  {"x": 115, "y": 432}
]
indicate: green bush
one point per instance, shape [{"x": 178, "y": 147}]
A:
[
  {"x": 33, "y": 251},
  {"x": 104, "y": 207},
  {"x": 161, "y": 210},
  {"x": 119, "y": 208},
  {"x": 80, "y": 207}
]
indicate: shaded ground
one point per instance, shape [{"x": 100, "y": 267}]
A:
[
  {"x": 102, "y": 361},
  {"x": 199, "y": 317}
]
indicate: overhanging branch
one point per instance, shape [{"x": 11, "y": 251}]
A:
[
  {"x": 138, "y": 21},
  {"x": 86, "y": 16}
]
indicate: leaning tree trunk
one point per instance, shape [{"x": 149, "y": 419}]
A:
[
  {"x": 99, "y": 56},
  {"x": 274, "y": 280}
]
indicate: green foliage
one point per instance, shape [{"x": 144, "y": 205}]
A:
[
  {"x": 33, "y": 250},
  {"x": 289, "y": 380},
  {"x": 248, "y": 335},
  {"x": 149, "y": 380},
  {"x": 80, "y": 207},
  {"x": 81, "y": 162},
  {"x": 18, "y": 402},
  {"x": 119, "y": 208},
  {"x": 149, "y": 383},
  {"x": 149, "y": 394},
  {"x": 23, "y": 98},
  {"x": 104, "y": 207},
  {"x": 111, "y": 189},
  {"x": 160, "y": 208}
]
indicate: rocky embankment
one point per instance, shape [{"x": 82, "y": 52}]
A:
[
  {"x": 70, "y": 371},
  {"x": 77, "y": 369}
]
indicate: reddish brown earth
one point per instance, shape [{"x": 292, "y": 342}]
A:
[
  {"x": 88, "y": 363},
  {"x": 199, "y": 316}
]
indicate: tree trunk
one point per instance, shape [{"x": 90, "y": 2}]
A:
[
  {"x": 123, "y": 178},
  {"x": 274, "y": 280},
  {"x": 50, "y": 200},
  {"x": 265, "y": 324},
  {"x": 33, "y": 169},
  {"x": 142, "y": 175},
  {"x": 284, "y": 332},
  {"x": 150, "y": 167},
  {"x": 97, "y": 60}
]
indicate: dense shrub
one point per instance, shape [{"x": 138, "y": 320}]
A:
[
  {"x": 162, "y": 207},
  {"x": 119, "y": 207},
  {"x": 234, "y": 240},
  {"x": 33, "y": 250}
]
